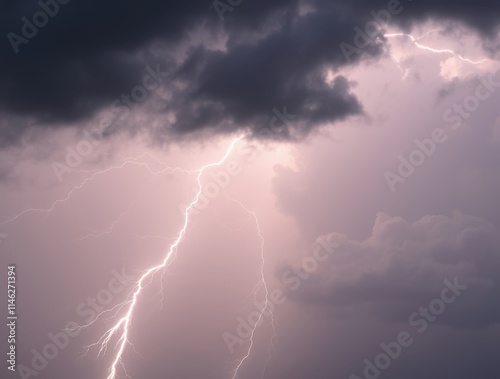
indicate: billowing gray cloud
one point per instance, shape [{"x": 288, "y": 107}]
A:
[
  {"x": 403, "y": 265},
  {"x": 83, "y": 56}
]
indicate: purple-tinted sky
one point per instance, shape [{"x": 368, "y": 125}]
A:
[{"x": 353, "y": 151}]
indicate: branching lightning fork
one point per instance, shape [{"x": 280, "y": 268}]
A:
[
  {"x": 438, "y": 51},
  {"x": 123, "y": 312},
  {"x": 122, "y": 327},
  {"x": 265, "y": 308},
  {"x": 135, "y": 161}
]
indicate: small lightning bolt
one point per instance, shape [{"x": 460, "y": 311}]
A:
[
  {"x": 266, "y": 307},
  {"x": 135, "y": 161},
  {"x": 122, "y": 327},
  {"x": 438, "y": 51},
  {"x": 113, "y": 224},
  {"x": 110, "y": 228}
]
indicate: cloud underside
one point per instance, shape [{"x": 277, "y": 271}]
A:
[
  {"x": 223, "y": 75},
  {"x": 402, "y": 265}
]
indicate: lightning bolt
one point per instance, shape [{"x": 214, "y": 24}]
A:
[
  {"x": 135, "y": 161},
  {"x": 266, "y": 307},
  {"x": 124, "y": 311},
  {"x": 121, "y": 328},
  {"x": 111, "y": 227},
  {"x": 433, "y": 50}
]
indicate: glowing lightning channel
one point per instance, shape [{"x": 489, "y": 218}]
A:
[
  {"x": 438, "y": 51},
  {"x": 122, "y": 327},
  {"x": 111, "y": 227},
  {"x": 266, "y": 304},
  {"x": 126, "y": 161}
]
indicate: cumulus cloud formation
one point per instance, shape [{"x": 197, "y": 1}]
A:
[
  {"x": 403, "y": 264},
  {"x": 224, "y": 75}
]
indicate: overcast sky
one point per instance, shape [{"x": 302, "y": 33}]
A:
[{"x": 352, "y": 151}]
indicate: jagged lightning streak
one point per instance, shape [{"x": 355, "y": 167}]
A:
[
  {"x": 439, "y": 51},
  {"x": 126, "y": 161},
  {"x": 122, "y": 326},
  {"x": 266, "y": 307},
  {"x": 111, "y": 227}
]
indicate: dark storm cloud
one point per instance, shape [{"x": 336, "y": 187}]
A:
[
  {"x": 481, "y": 15},
  {"x": 284, "y": 69},
  {"x": 90, "y": 52}
]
